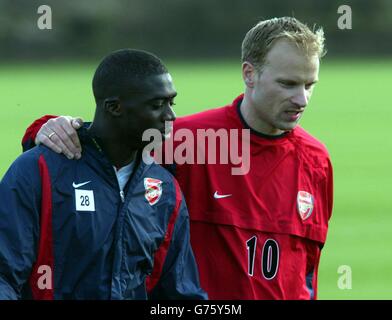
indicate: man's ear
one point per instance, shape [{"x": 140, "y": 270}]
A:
[
  {"x": 248, "y": 74},
  {"x": 112, "y": 106}
]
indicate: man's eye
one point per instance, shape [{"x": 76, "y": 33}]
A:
[
  {"x": 157, "y": 105},
  {"x": 162, "y": 103},
  {"x": 309, "y": 86},
  {"x": 287, "y": 84}
]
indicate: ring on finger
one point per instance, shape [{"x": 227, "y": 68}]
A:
[{"x": 51, "y": 135}]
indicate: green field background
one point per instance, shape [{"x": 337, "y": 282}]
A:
[{"x": 351, "y": 112}]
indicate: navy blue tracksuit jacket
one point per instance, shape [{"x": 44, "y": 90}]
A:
[{"x": 66, "y": 231}]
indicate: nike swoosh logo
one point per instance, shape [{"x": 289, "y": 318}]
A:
[
  {"x": 79, "y": 184},
  {"x": 220, "y": 196}
]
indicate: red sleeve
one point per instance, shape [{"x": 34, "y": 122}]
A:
[
  {"x": 32, "y": 130},
  {"x": 330, "y": 189}
]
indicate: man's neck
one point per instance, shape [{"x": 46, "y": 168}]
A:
[
  {"x": 119, "y": 155},
  {"x": 118, "y": 152},
  {"x": 252, "y": 119}
]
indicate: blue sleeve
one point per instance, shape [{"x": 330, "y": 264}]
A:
[
  {"x": 19, "y": 224},
  {"x": 180, "y": 277}
]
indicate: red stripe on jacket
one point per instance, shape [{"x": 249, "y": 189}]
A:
[
  {"x": 160, "y": 254},
  {"x": 42, "y": 279}
]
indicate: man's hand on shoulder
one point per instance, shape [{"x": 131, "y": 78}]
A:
[{"x": 59, "y": 134}]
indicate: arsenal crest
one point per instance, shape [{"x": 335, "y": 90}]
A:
[
  {"x": 153, "y": 190},
  {"x": 305, "y": 204}
]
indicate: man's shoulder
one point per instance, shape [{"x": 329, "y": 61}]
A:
[
  {"x": 49, "y": 155},
  {"x": 31, "y": 156},
  {"x": 43, "y": 156},
  {"x": 310, "y": 143},
  {"x": 156, "y": 170},
  {"x": 211, "y": 118},
  {"x": 25, "y": 165}
]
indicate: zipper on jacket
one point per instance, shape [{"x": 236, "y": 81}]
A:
[{"x": 122, "y": 196}]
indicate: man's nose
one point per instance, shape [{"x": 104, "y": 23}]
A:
[
  {"x": 169, "y": 115},
  {"x": 301, "y": 99}
]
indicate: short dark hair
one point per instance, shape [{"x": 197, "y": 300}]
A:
[{"x": 117, "y": 69}]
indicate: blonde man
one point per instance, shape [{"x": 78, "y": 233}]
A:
[{"x": 257, "y": 235}]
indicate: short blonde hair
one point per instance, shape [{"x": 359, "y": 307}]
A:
[{"x": 259, "y": 40}]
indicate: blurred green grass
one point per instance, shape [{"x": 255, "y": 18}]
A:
[{"x": 350, "y": 112}]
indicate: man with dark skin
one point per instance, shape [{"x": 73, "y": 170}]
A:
[
  {"x": 131, "y": 116},
  {"x": 108, "y": 226}
]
